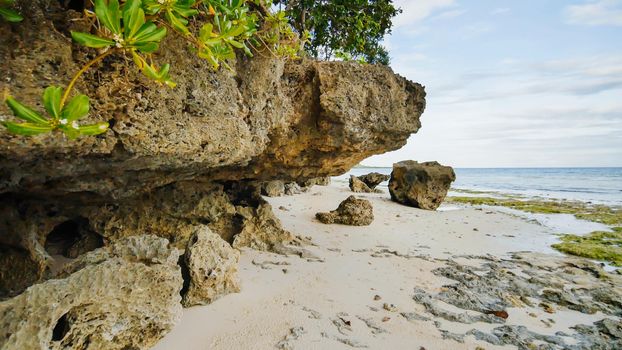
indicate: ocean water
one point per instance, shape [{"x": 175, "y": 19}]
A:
[{"x": 596, "y": 185}]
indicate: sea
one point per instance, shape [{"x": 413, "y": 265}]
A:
[{"x": 594, "y": 185}]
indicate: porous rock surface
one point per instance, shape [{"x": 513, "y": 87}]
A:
[
  {"x": 492, "y": 290},
  {"x": 352, "y": 211},
  {"x": 358, "y": 186},
  {"x": 421, "y": 185},
  {"x": 212, "y": 267},
  {"x": 175, "y": 158},
  {"x": 103, "y": 300},
  {"x": 372, "y": 180}
]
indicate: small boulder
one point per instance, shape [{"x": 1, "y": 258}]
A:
[
  {"x": 274, "y": 188},
  {"x": 420, "y": 185},
  {"x": 359, "y": 186},
  {"x": 352, "y": 211},
  {"x": 372, "y": 180},
  {"x": 212, "y": 268}
]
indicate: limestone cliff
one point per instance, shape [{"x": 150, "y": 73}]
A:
[{"x": 176, "y": 158}]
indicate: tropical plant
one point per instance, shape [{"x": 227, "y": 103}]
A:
[
  {"x": 137, "y": 28},
  {"x": 7, "y": 13},
  {"x": 63, "y": 117}
]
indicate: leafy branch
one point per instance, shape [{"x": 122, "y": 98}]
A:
[{"x": 137, "y": 28}]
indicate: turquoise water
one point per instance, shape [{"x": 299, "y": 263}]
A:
[{"x": 596, "y": 185}]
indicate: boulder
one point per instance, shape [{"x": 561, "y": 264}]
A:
[
  {"x": 352, "y": 211},
  {"x": 105, "y": 299},
  {"x": 374, "y": 179},
  {"x": 420, "y": 185},
  {"x": 274, "y": 188},
  {"x": 212, "y": 268},
  {"x": 358, "y": 186}
]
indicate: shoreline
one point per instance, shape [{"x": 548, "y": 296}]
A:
[{"x": 329, "y": 302}]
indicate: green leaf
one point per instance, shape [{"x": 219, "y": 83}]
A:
[
  {"x": 27, "y": 129},
  {"x": 77, "y": 108},
  {"x": 178, "y": 23},
  {"x": 94, "y": 129},
  {"x": 147, "y": 47},
  {"x": 10, "y": 15},
  {"x": 71, "y": 130},
  {"x": 24, "y": 112},
  {"x": 133, "y": 18},
  {"x": 149, "y": 32},
  {"x": 51, "y": 100},
  {"x": 109, "y": 14},
  {"x": 91, "y": 40}
]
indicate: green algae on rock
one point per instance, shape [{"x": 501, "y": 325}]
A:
[
  {"x": 599, "y": 245},
  {"x": 591, "y": 212}
]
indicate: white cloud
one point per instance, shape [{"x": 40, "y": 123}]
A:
[
  {"x": 594, "y": 13},
  {"x": 500, "y": 11},
  {"x": 417, "y": 10}
]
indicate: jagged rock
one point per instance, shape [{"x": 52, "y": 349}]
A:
[
  {"x": 318, "y": 181},
  {"x": 372, "y": 180},
  {"x": 105, "y": 300},
  {"x": 261, "y": 229},
  {"x": 274, "y": 188},
  {"x": 420, "y": 185},
  {"x": 358, "y": 186},
  {"x": 293, "y": 188},
  {"x": 352, "y": 211},
  {"x": 212, "y": 267}
]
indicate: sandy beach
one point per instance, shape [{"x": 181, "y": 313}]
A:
[{"x": 336, "y": 300}]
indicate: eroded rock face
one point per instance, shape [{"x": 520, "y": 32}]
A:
[
  {"x": 420, "y": 185},
  {"x": 234, "y": 211},
  {"x": 268, "y": 119},
  {"x": 103, "y": 300},
  {"x": 352, "y": 211},
  {"x": 212, "y": 267}
]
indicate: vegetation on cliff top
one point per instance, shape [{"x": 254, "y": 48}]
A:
[
  {"x": 350, "y": 30},
  {"x": 214, "y": 30}
]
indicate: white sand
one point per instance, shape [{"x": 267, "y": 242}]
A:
[{"x": 312, "y": 294}]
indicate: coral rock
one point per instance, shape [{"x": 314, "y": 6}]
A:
[
  {"x": 274, "y": 188},
  {"x": 420, "y": 185},
  {"x": 352, "y": 211},
  {"x": 374, "y": 179},
  {"x": 106, "y": 300},
  {"x": 212, "y": 267}
]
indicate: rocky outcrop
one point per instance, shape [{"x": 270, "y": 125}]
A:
[
  {"x": 103, "y": 300},
  {"x": 274, "y": 188},
  {"x": 212, "y": 267},
  {"x": 372, "y": 180},
  {"x": 421, "y": 185},
  {"x": 352, "y": 211},
  {"x": 174, "y": 159}
]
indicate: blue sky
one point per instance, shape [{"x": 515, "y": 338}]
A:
[{"x": 512, "y": 83}]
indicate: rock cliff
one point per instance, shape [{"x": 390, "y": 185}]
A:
[{"x": 176, "y": 158}]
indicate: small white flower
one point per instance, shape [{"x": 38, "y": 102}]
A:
[
  {"x": 103, "y": 127},
  {"x": 74, "y": 124},
  {"x": 64, "y": 121}
]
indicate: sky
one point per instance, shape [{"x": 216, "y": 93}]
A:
[{"x": 512, "y": 83}]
